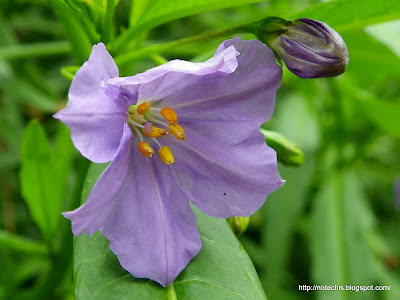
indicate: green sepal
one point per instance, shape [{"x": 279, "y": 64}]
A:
[{"x": 288, "y": 153}]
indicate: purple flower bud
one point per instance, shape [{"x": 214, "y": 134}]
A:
[{"x": 309, "y": 48}]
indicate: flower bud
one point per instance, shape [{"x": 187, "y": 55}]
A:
[
  {"x": 238, "y": 224},
  {"x": 309, "y": 48},
  {"x": 287, "y": 152}
]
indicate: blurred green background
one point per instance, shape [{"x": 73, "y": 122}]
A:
[{"x": 336, "y": 219}]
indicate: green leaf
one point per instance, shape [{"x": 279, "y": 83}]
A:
[
  {"x": 107, "y": 24},
  {"x": 43, "y": 175},
  {"x": 383, "y": 114},
  {"x": 222, "y": 269},
  {"x": 367, "y": 54},
  {"x": 45, "y": 49},
  {"x": 387, "y": 33},
  {"x": 340, "y": 223},
  {"x": 343, "y": 15},
  {"x": 77, "y": 27},
  {"x": 37, "y": 178},
  {"x": 163, "y": 11},
  {"x": 278, "y": 241},
  {"x": 69, "y": 71},
  {"x": 21, "y": 244},
  {"x": 138, "y": 8}
]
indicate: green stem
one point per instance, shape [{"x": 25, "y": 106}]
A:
[
  {"x": 34, "y": 50},
  {"x": 147, "y": 52},
  {"x": 171, "y": 294}
]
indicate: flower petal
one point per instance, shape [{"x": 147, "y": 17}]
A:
[
  {"x": 161, "y": 81},
  {"x": 148, "y": 221},
  {"x": 95, "y": 119},
  {"x": 246, "y": 94},
  {"x": 89, "y": 217},
  {"x": 224, "y": 167}
]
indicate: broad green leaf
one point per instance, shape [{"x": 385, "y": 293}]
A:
[
  {"x": 343, "y": 15},
  {"x": 43, "y": 175},
  {"x": 222, "y": 269},
  {"x": 163, "y": 11},
  {"x": 340, "y": 223}
]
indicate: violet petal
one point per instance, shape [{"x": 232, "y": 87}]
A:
[
  {"x": 147, "y": 220},
  {"x": 246, "y": 94},
  {"x": 225, "y": 167},
  {"x": 161, "y": 81},
  {"x": 95, "y": 120}
]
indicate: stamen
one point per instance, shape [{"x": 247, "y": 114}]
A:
[
  {"x": 156, "y": 132},
  {"x": 145, "y": 149},
  {"x": 157, "y": 142},
  {"x": 177, "y": 131},
  {"x": 135, "y": 124},
  {"x": 137, "y": 132},
  {"x": 165, "y": 155},
  {"x": 169, "y": 114},
  {"x": 143, "y": 107},
  {"x": 154, "y": 120}
]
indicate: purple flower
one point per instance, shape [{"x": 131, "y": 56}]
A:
[{"x": 215, "y": 155}]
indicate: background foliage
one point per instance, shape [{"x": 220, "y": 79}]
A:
[{"x": 336, "y": 219}]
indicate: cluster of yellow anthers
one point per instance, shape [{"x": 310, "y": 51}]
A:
[{"x": 140, "y": 116}]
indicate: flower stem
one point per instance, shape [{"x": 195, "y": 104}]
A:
[
  {"x": 157, "y": 49},
  {"x": 171, "y": 294}
]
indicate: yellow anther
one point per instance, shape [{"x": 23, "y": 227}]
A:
[
  {"x": 145, "y": 149},
  {"x": 177, "y": 131},
  {"x": 156, "y": 132},
  {"x": 142, "y": 108},
  {"x": 169, "y": 114},
  {"x": 166, "y": 155}
]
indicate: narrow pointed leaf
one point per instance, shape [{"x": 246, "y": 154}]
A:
[
  {"x": 343, "y": 15},
  {"x": 163, "y": 11}
]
